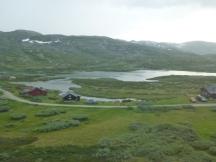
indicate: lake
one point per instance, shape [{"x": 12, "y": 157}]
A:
[{"x": 63, "y": 85}]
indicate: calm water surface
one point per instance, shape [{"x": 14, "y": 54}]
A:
[{"x": 65, "y": 84}]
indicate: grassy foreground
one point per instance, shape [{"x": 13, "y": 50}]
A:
[{"x": 104, "y": 134}]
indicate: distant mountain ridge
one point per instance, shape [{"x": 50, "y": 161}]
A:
[
  {"x": 197, "y": 47},
  {"x": 23, "y": 50}
]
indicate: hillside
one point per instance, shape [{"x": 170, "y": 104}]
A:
[
  {"x": 199, "y": 47},
  {"x": 31, "y": 51},
  {"x": 196, "y": 47}
]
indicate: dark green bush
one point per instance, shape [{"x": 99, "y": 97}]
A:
[
  {"x": 57, "y": 125},
  {"x": 10, "y": 125},
  {"x": 130, "y": 108},
  {"x": 149, "y": 107},
  {"x": 153, "y": 153},
  {"x": 113, "y": 150},
  {"x": 213, "y": 137},
  {"x": 4, "y": 156},
  {"x": 213, "y": 109},
  {"x": 18, "y": 116},
  {"x": 145, "y": 107},
  {"x": 105, "y": 142},
  {"x": 53, "y": 98},
  {"x": 202, "y": 145},
  {"x": 3, "y": 102},
  {"x": 185, "y": 133},
  {"x": 212, "y": 150},
  {"x": 81, "y": 117},
  {"x": 15, "y": 142},
  {"x": 4, "y": 109},
  {"x": 135, "y": 126},
  {"x": 188, "y": 107},
  {"x": 47, "y": 113},
  {"x": 103, "y": 153},
  {"x": 75, "y": 123},
  {"x": 156, "y": 143},
  {"x": 36, "y": 99}
]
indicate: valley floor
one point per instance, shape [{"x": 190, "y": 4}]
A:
[
  {"x": 51, "y": 132},
  {"x": 101, "y": 124}
]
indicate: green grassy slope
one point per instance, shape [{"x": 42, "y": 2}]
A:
[{"x": 90, "y": 53}]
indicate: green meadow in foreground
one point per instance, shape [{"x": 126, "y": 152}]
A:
[{"x": 89, "y": 134}]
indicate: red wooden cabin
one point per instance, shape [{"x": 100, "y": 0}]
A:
[{"x": 35, "y": 92}]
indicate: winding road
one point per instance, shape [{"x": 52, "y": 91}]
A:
[{"x": 11, "y": 96}]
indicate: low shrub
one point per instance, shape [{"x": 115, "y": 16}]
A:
[
  {"x": 135, "y": 126},
  {"x": 47, "y": 113},
  {"x": 155, "y": 143},
  {"x": 145, "y": 107},
  {"x": 4, "y": 156},
  {"x": 185, "y": 133},
  {"x": 18, "y": 116},
  {"x": 15, "y": 142},
  {"x": 4, "y": 109},
  {"x": 154, "y": 153},
  {"x": 105, "y": 142},
  {"x": 213, "y": 137},
  {"x": 213, "y": 109},
  {"x": 149, "y": 107},
  {"x": 202, "y": 145},
  {"x": 53, "y": 98},
  {"x": 130, "y": 108},
  {"x": 212, "y": 150},
  {"x": 36, "y": 99},
  {"x": 81, "y": 117},
  {"x": 57, "y": 125},
  {"x": 75, "y": 123},
  {"x": 103, "y": 153},
  {"x": 3, "y": 102},
  {"x": 188, "y": 107},
  {"x": 10, "y": 125},
  {"x": 109, "y": 151}
]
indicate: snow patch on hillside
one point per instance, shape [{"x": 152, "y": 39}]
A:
[{"x": 39, "y": 42}]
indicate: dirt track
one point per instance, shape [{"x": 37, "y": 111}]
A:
[{"x": 9, "y": 95}]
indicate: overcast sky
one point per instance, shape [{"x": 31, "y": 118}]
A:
[{"x": 155, "y": 20}]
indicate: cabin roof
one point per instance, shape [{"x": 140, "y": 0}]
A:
[
  {"x": 66, "y": 94},
  {"x": 30, "y": 89},
  {"x": 211, "y": 89}
]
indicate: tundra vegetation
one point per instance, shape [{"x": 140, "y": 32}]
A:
[
  {"x": 4, "y": 109},
  {"x": 112, "y": 135},
  {"x": 168, "y": 90},
  {"x": 81, "y": 117},
  {"x": 57, "y": 125},
  {"x": 18, "y": 116},
  {"x": 51, "y": 112},
  {"x": 145, "y": 133}
]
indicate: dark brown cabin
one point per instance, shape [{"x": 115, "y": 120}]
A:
[
  {"x": 209, "y": 91},
  {"x": 70, "y": 97}
]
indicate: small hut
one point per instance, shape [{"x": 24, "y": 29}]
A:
[
  {"x": 209, "y": 91},
  {"x": 34, "y": 91},
  {"x": 70, "y": 97}
]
